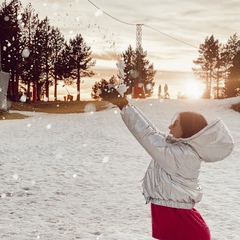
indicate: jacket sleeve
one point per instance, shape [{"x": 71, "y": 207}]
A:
[{"x": 153, "y": 141}]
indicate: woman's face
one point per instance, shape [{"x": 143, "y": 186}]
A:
[{"x": 175, "y": 128}]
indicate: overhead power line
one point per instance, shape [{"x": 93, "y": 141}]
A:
[
  {"x": 133, "y": 24},
  {"x": 170, "y": 36},
  {"x": 110, "y": 15}
]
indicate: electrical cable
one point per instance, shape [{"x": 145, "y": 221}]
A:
[
  {"x": 133, "y": 24},
  {"x": 170, "y": 36},
  {"x": 110, "y": 15}
]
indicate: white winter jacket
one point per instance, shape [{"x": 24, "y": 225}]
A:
[{"x": 172, "y": 178}]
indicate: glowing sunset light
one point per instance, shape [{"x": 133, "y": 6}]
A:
[
  {"x": 169, "y": 35},
  {"x": 194, "y": 90}
]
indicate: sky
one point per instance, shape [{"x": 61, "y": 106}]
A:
[
  {"x": 63, "y": 177},
  {"x": 171, "y": 33}
]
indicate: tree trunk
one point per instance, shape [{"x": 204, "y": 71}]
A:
[
  {"x": 47, "y": 88},
  {"x": 28, "y": 90},
  {"x": 55, "y": 88},
  {"x": 0, "y": 56},
  {"x": 78, "y": 85},
  {"x": 217, "y": 84}
]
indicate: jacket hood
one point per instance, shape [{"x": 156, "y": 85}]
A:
[{"x": 213, "y": 143}]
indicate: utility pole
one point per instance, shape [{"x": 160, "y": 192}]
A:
[
  {"x": 139, "y": 51},
  {"x": 139, "y": 37},
  {"x": 139, "y": 90}
]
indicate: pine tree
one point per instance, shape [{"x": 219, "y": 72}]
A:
[
  {"x": 231, "y": 66},
  {"x": 97, "y": 88},
  {"x": 208, "y": 60},
  {"x": 10, "y": 44},
  {"x": 130, "y": 74},
  {"x": 80, "y": 61},
  {"x": 57, "y": 45},
  {"x": 132, "y": 61},
  {"x": 232, "y": 84},
  {"x": 30, "y": 22}
]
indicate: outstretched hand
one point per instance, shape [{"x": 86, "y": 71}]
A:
[{"x": 110, "y": 94}]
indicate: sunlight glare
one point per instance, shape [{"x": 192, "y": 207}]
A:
[{"x": 193, "y": 90}]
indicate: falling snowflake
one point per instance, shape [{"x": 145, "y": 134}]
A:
[
  {"x": 149, "y": 86},
  {"x": 45, "y": 99},
  {"x": 25, "y": 52},
  {"x": 134, "y": 73},
  {"x": 98, "y": 13},
  {"x": 23, "y": 98},
  {"x": 15, "y": 177},
  {"x": 90, "y": 107},
  {"x": 105, "y": 159}
]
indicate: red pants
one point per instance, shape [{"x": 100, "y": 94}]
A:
[{"x": 178, "y": 224}]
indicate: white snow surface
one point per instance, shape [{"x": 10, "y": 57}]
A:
[{"x": 78, "y": 176}]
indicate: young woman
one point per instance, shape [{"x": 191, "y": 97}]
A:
[{"x": 171, "y": 182}]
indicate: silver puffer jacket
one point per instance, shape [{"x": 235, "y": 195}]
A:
[{"x": 172, "y": 178}]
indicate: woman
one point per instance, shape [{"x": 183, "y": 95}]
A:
[{"x": 171, "y": 182}]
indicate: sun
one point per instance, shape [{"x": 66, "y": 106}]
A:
[{"x": 193, "y": 90}]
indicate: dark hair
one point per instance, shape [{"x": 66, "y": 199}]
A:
[{"x": 191, "y": 123}]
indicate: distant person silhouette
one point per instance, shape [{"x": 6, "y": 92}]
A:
[
  {"x": 159, "y": 91},
  {"x": 166, "y": 94}
]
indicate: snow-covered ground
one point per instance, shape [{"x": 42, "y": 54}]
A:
[{"x": 78, "y": 176}]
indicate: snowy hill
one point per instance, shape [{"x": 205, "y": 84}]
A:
[{"x": 78, "y": 176}]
